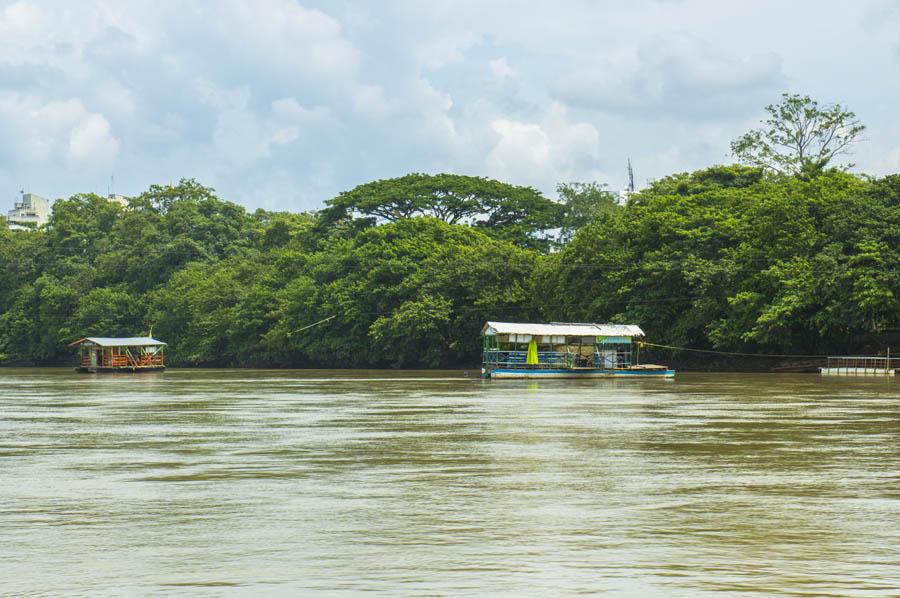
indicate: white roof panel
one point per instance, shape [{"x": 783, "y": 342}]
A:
[
  {"x": 619, "y": 330},
  {"x": 134, "y": 341},
  {"x": 562, "y": 329}
]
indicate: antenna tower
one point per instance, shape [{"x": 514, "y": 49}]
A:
[{"x": 630, "y": 177}]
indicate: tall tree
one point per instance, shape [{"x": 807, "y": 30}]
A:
[
  {"x": 583, "y": 203},
  {"x": 800, "y": 136},
  {"x": 517, "y": 214}
]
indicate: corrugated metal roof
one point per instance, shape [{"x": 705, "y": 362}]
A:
[
  {"x": 562, "y": 329},
  {"x": 133, "y": 341}
]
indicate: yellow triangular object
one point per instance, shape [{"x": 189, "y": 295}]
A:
[{"x": 531, "y": 358}]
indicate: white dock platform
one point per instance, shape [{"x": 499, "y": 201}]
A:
[
  {"x": 860, "y": 365},
  {"x": 857, "y": 372}
]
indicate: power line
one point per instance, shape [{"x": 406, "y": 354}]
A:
[
  {"x": 312, "y": 325},
  {"x": 733, "y": 353}
]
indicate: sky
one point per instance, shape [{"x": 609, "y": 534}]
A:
[{"x": 282, "y": 104}]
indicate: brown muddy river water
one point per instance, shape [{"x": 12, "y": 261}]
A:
[{"x": 247, "y": 482}]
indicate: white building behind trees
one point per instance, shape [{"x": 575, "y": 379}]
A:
[{"x": 33, "y": 211}]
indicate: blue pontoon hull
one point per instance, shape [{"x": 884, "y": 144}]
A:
[{"x": 579, "y": 373}]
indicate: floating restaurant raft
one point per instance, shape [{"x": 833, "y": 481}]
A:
[
  {"x": 108, "y": 355},
  {"x": 565, "y": 350}
]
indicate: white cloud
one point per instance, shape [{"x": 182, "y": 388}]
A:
[
  {"x": 20, "y": 19},
  {"x": 370, "y": 101},
  {"x": 501, "y": 70},
  {"x": 290, "y": 110},
  {"x": 117, "y": 98},
  {"x": 674, "y": 77},
  {"x": 289, "y": 118},
  {"x": 241, "y": 92},
  {"x": 36, "y": 127},
  {"x": 33, "y": 130},
  {"x": 889, "y": 164},
  {"x": 91, "y": 139},
  {"x": 542, "y": 153},
  {"x": 220, "y": 98},
  {"x": 522, "y": 147},
  {"x": 435, "y": 107},
  {"x": 444, "y": 50},
  {"x": 282, "y": 34},
  {"x": 243, "y": 135},
  {"x": 239, "y": 137}
]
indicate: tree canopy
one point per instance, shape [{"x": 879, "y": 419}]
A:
[
  {"x": 403, "y": 272},
  {"x": 725, "y": 259},
  {"x": 518, "y": 214}
]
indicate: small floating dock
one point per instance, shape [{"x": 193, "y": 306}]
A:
[
  {"x": 564, "y": 350},
  {"x": 104, "y": 355},
  {"x": 860, "y": 365}
]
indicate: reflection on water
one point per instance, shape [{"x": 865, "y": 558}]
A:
[{"x": 277, "y": 482}]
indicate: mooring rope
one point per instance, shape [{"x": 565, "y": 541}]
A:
[{"x": 646, "y": 344}]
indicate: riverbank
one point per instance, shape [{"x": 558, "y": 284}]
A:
[
  {"x": 723, "y": 365},
  {"x": 681, "y": 364}
]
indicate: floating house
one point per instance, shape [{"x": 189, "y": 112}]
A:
[
  {"x": 565, "y": 350},
  {"x": 104, "y": 355}
]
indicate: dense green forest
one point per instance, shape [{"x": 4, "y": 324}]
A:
[{"x": 752, "y": 257}]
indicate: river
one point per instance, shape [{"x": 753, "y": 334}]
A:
[{"x": 260, "y": 482}]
